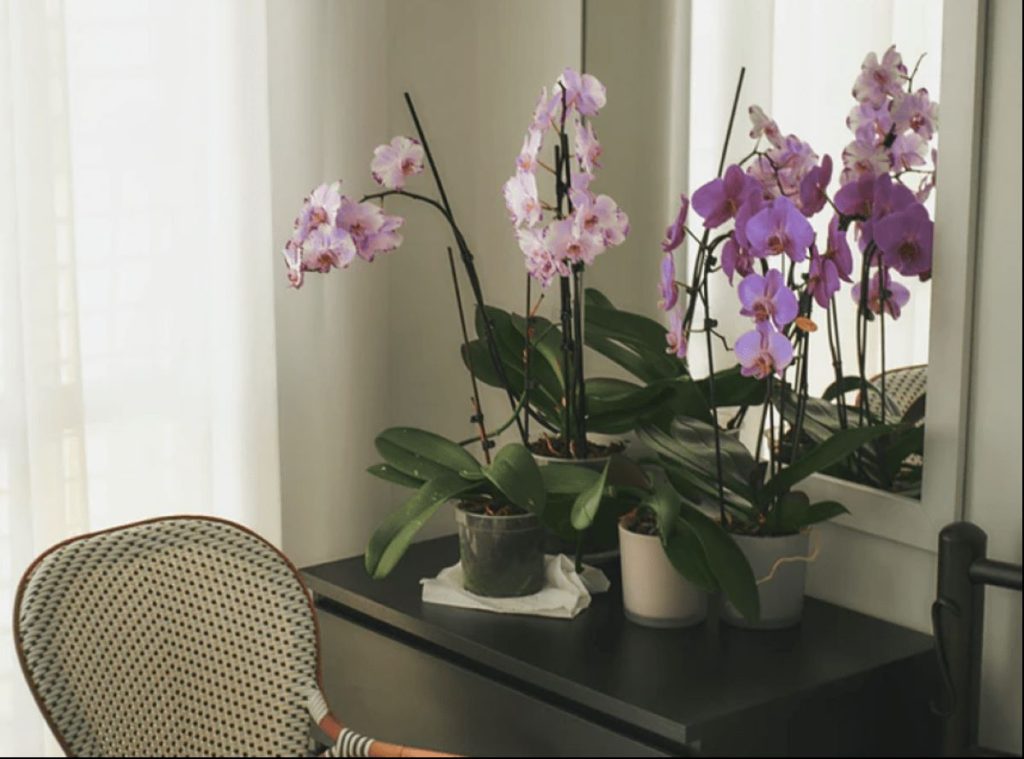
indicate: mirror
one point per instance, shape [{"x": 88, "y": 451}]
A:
[{"x": 678, "y": 63}]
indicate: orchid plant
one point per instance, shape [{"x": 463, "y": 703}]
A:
[
  {"x": 757, "y": 231},
  {"x": 560, "y": 237}
]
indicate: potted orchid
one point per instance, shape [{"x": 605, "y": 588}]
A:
[
  {"x": 501, "y": 500},
  {"x": 757, "y": 231}
]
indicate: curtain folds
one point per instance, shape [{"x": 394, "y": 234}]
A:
[{"x": 137, "y": 342}]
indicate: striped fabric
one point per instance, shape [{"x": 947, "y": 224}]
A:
[{"x": 174, "y": 637}]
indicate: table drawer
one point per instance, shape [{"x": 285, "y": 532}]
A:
[{"x": 387, "y": 688}]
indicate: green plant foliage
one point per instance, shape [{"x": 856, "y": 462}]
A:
[
  {"x": 391, "y": 540},
  {"x": 515, "y": 473}
]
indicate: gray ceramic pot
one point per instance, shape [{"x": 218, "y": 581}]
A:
[
  {"x": 782, "y": 597},
  {"x": 501, "y": 557}
]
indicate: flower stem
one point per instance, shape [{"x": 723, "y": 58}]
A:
[{"x": 478, "y": 415}]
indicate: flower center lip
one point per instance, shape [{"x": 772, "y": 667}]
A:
[
  {"x": 777, "y": 243},
  {"x": 908, "y": 251}
]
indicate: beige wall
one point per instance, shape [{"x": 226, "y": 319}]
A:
[{"x": 994, "y": 452}]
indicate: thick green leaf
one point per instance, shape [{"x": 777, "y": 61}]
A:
[
  {"x": 903, "y": 443},
  {"x": 687, "y": 555},
  {"x": 423, "y": 454},
  {"x": 795, "y": 512},
  {"x": 727, "y": 562},
  {"x": 665, "y": 503},
  {"x": 733, "y": 389},
  {"x": 615, "y": 413},
  {"x": 514, "y": 472},
  {"x": 567, "y": 479},
  {"x": 584, "y": 510},
  {"x": 389, "y": 543},
  {"x": 390, "y": 474},
  {"x": 841, "y": 387},
  {"x": 835, "y": 449}
]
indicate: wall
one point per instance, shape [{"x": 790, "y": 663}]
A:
[{"x": 994, "y": 452}]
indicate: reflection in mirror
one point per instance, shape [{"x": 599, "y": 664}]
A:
[{"x": 824, "y": 84}]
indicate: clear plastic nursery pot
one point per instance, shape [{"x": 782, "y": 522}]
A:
[
  {"x": 600, "y": 543},
  {"x": 654, "y": 594},
  {"x": 501, "y": 556},
  {"x": 780, "y": 565}
]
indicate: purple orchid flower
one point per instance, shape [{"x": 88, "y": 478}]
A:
[
  {"x": 521, "y": 199},
  {"x": 856, "y": 198},
  {"x": 582, "y": 91},
  {"x": 763, "y": 351},
  {"x": 880, "y": 79},
  {"x": 676, "y": 231},
  {"x": 917, "y": 112},
  {"x": 908, "y": 151},
  {"x": 569, "y": 241},
  {"x": 675, "y": 338},
  {"x": 767, "y": 298},
  {"x": 813, "y": 187},
  {"x": 864, "y": 159},
  {"x": 588, "y": 149},
  {"x": 822, "y": 278},
  {"x": 668, "y": 286},
  {"x": 887, "y": 197},
  {"x": 371, "y": 229},
  {"x": 896, "y": 295},
  {"x": 762, "y": 124},
  {"x": 870, "y": 125},
  {"x": 905, "y": 239},
  {"x": 720, "y": 199},
  {"x": 780, "y": 228},
  {"x": 527, "y": 160},
  {"x": 393, "y": 163},
  {"x": 321, "y": 207},
  {"x": 540, "y": 263},
  {"x": 838, "y": 250},
  {"x": 736, "y": 259}
]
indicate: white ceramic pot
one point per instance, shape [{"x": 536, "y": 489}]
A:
[
  {"x": 654, "y": 594},
  {"x": 782, "y": 596}
]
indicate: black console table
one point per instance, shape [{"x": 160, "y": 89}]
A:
[{"x": 477, "y": 683}]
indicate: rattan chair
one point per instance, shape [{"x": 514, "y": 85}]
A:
[
  {"x": 903, "y": 387},
  {"x": 181, "y": 636}
]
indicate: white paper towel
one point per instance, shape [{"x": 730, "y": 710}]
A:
[{"x": 565, "y": 593}]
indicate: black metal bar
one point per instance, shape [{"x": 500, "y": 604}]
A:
[
  {"x": 1001, "y": 574},
  {"x": 957, "y": 616}
]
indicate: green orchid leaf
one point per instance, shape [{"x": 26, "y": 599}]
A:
[
  {"x": 390, "y": 474},
  {"x": 514, "y": 472},
  {"x": 733, "y": 389},
  {"x": 689, "y": 558},
  {"x": 726, "y": 561},
  {"x": 391, "y": 540},
  {"x": 586, "y": 506},
  {"x": 567, "y": 479},
  {"x": 840, "y": 445},
  {"x": 424, "y": 455}
]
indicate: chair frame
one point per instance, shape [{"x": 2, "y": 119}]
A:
[{"x": 331, "y": 726}]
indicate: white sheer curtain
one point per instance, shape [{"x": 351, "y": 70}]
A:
[
  {"x": 801, "y": 58},
  {"x": 137, "y": 346}
]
